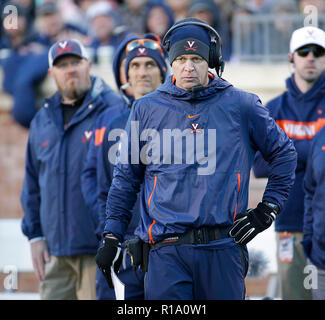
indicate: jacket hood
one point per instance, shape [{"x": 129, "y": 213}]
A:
[
  {"x": 215, "y": 84},
  {"x": 118, "y": 58},
  {"x": 313, "y": 93}
]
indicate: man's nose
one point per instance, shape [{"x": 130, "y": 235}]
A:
[
  {"x": 311, "y": 55},
  {"x": 189, "y": 65},
  {"x": 143, "y": 71}
]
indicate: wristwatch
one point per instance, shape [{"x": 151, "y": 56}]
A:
[{"x": 273, "y": 206}]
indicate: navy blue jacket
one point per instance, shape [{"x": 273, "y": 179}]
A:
[
  {"x": 187, "y": 192},
  {"x": 95, "y": 169},
  {"x": 51, "y": 196},
  {"x": 314, "y": 217},
  {"x": 96, "y": 173},
  {"x": 301, "y": 116}
]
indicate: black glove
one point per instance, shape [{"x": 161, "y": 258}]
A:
[
  {"x": 108, "y": 255},
  {"x": 247, "y": 225}
]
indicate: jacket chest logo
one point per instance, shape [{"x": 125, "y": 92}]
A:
[
  {"x": 86, "y": 136},
  {"x": 301, "y": 129},
  {"x": 195, "y": 128}
]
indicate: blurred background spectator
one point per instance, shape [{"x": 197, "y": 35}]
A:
[
  {"x": 319, "y": 4},
  {"x": 158, "y": 17},
  {"x": 180, "y": 8},
  {"x": 210, "y": 12},
  {"x": 52, "y": 27},
  {"x": 132, "y": 13},
  {"x": 105, "y": 30},
  {"x": 24, "y": 64}
]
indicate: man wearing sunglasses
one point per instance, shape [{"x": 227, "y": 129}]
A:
[
  {"x": 300, "y": 112},
  {"x": 194, "y": 185},
  {"x": 139, "y": 68}
]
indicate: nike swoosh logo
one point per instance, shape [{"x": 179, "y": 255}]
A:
[
  {"x": 45, "y": 143},
  {"x": 191, "y": 117}
]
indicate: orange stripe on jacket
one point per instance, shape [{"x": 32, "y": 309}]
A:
[
  {"x": 301, "y": 130},
  {"x": 149, "y": 201},
  {"x": 149, "y": 231},
  {"x": 238, "y": 179},
  {"x": 153, "y": 189},
  {"x": 99, "y": 136}
]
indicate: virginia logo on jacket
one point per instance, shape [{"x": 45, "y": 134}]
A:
[
  {"x": 86, "y": 136},
  {"x": 301, "y": 130}
]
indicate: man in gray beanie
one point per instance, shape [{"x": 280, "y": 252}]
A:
[{"x": 194, "y": 221}]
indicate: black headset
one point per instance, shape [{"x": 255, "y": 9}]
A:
[{"x": 215, "y": 51}]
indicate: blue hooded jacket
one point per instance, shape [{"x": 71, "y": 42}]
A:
[
  {"x": 51, "y": 196},
  {"x": 301, "y": 116},
  {"x": 183, "y": 193},
  {"x": 314, "y": 215},
  {"x": 96, "y": 170}
]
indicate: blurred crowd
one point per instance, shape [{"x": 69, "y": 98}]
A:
[{"x": 101, "y": 25}]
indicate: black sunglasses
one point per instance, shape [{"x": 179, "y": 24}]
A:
[{"x": 317, "y": 51}]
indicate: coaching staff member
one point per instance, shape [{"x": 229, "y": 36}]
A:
[
  {"x": 57, "y": 222},
  {"x": 195, "y": 220}
]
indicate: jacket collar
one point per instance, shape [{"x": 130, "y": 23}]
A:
[{"x": 215, "y": 83}]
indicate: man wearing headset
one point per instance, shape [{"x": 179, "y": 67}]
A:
[
  {"x": 299, "y": 111},
  {"x": 194, "y": 186}
]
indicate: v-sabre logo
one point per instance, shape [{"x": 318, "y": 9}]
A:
[
  {"x": 142, "y": 52},
  {"x": 86, "y": 136},
  {"x": 190, "y": 46},
  {"x": 301, "y": 130}
]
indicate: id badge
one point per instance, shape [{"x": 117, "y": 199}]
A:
[{"x": 286, "y": 246}]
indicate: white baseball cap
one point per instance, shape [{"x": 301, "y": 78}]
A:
[{"x": 307, "y": 35}]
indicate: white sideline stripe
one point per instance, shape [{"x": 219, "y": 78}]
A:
[{"x": 14, "y": 246}]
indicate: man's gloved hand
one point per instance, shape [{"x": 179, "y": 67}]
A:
[
  {"x": 109, "y": 255},
  {"x": 247, "y": 225}
]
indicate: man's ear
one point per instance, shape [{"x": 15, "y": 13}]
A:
[
  {"x": 290, "y": 57},
  {"x": 50, "y": 73}
]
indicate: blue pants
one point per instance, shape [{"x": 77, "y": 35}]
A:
[
  {"x": 214, "y": 271},
  {"x": 134, "y": 283}
]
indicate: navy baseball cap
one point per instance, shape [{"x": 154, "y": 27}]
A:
[{"x": 66, "y": 47}]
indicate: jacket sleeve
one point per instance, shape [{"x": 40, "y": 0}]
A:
[
  {"x": 260, "y": 167},
  {"x": 309, "y": 188},
  {"x": 89, "y": 177},
  {"x": 105, "y": 176},
  {"x": 127, "y": 178},
  {"x": 276, "y": 148},
  {"x": 30, "y": 195}
]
